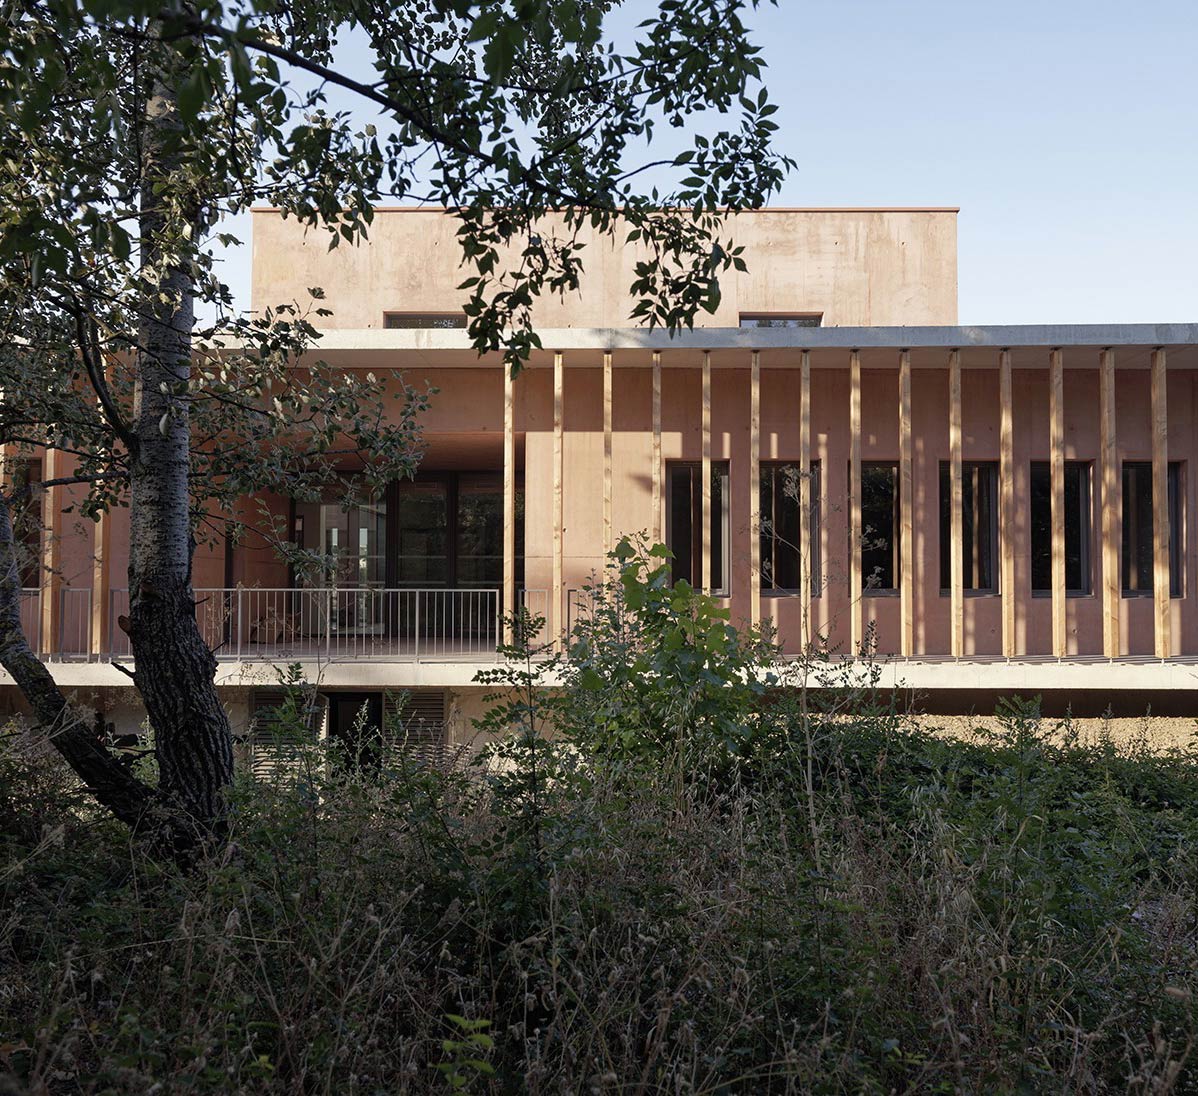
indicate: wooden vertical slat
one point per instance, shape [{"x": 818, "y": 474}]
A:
[
  {"x": 509, "y": 499},
  {"x": 906, "y": 511},
  {"x": 856, "y": 609},
  {"x": 1160, "y": 506},
  {"x": 956, "y": 532},
  {"x": 805, "y": 543},
  {"x": 101, "y": 584},
  {"x": 657, "y": 446},
  {"x": 755, "y": 490},
  {"x": 607, "y": 455},
  {"x": 558, "y": 596},
  {"x": 1112, "y": 490},
  {"x": 705, "y": 532},
  {"x": 1006, "y": 507},
  {"x": 1056, "y": 443},
  {"x": 51, "y": 571}
]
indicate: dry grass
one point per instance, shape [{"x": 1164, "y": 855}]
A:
[{"x": 901, "y": 915}]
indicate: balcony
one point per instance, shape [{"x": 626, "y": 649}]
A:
[{"x": 255, "y": 624}]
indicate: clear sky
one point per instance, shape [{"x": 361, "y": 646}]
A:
[{"x": 1066, "y": 130}]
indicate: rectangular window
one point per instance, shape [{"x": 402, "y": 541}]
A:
[
  {"x": 781, "y": 563},
  {"x": 27, "y": 521},
  {"x": 781, "y": 319},
  {"x": 979, "y": 526},
  {"x": 1078, "y": 508},
  {"x": 1137, "y": 528},
  {"x": 879, "y": 527},
  {"x": 684, "y": 524},
  {"x": 412, "y": 320}
]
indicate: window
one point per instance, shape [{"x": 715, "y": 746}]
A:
[
  {"x": 411, "y": 320},
  {"x": 1077, "y": 527},
  {"x": 685, "y": 523},
  {"x": 27, "y": 521},
  {"x": 879, "y": 527},
  {"x": 781, "y": 564},
  {"x": 781, "y": 319},
  {"x": 1137, "y": 528},
  {"x": 979, "y": 526}
]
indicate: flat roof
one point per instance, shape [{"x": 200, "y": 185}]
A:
[
  {"x": 730, "y": 347},
  {"x": 759, "y": 209}
]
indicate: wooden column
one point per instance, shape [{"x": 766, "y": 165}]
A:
[
  {"x": 705, "y": 532},
  {"x": 1056, "y": 443},
  {"x": 956, "y": 533},
  {"x": 607, "y": 533},
  {"x": 657, "y": 536},
  {"x": 558, "y": 596},
  {"x": 1112, "y": 491},
  {"x": 1006, "y": 507},
  {"x": 755, "y": 490},
  {"x": 50, "y": 578},
  {"x": 101, "y": 585},
  {"x": 906, "y": 511},
  {"x": 509, "y": 500},
  {"x": 1163, "y": 625},
  {"x": 856, "y": 609},
  {"x": 805, "y": 542}
]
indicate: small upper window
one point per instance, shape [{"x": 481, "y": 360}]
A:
[
  {"x": 781, "y": 319},
  {"x": 399, "y": 320}
]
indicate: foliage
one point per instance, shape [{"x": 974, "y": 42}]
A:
[
  {"x": 1013, "y": 915},
  {"x": 853, "y": 903},
  {"x": 657, "y": 670}
]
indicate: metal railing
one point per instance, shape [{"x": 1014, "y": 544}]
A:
[{"x": 256, "y": 623}]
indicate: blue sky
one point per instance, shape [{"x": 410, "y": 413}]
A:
[{"x": 1066, "y": 131}]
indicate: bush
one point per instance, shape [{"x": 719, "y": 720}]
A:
[{"x": 854, "y": 904}]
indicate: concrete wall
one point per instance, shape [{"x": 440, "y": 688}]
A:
[{"x": 857, "y": 267}]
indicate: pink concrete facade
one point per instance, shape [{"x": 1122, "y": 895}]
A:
[{"x": 883, "y": 283}]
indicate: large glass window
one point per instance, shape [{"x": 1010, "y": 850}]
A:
[
  {"x": 351, "y": 541},
  {"x": 1137, "y": 529},
  {"x": 781, "y": 562},
  {"x": 684, "y": 480},
  {"x": 422, "y": 533},
  {"x": 1077, "y": 527},
  {"x": 979, "y": 526},
  {"x": 450, "y": 530},
  {"x": 480, "y": 530},
  {"x": 879, "y": 546}
]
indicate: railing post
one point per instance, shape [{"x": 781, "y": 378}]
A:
[{"x": 416, "y": 630}]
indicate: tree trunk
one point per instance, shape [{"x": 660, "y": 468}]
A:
[
  {"x": 174, "y": 669},
  {"x": 110, "y": 781}
]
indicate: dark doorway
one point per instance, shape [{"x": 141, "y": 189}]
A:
[{"x": 356, "y": 724}]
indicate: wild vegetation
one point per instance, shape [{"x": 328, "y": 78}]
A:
[{"x": 687, "y": 887}]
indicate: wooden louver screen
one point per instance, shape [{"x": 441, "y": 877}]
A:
[
  {"x": 272, "y": 744},
  {"x": 417, "y": 719}
]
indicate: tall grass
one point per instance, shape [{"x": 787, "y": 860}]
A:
[
  {"x": 716, "y": 875},
  {"x": 918, "y": 915}
]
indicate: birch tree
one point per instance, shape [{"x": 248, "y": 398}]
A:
[{"x": 130, "y": 128}]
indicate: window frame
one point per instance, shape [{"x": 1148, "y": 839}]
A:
[
  {"x": 1086, "y": 508},
  {"x": 1175, "y": 487},
  {"x": 897, "y": 549},
  {"x": 815, "y": 478},
  {"x": 751, "y": 320},
  {"x": 396, "y": 313},
  {"x": 945, "y": 467},
  {"x": 725, "y": 466}
]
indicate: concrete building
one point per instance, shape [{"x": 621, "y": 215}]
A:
[{"x": 991, "y": 509}]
